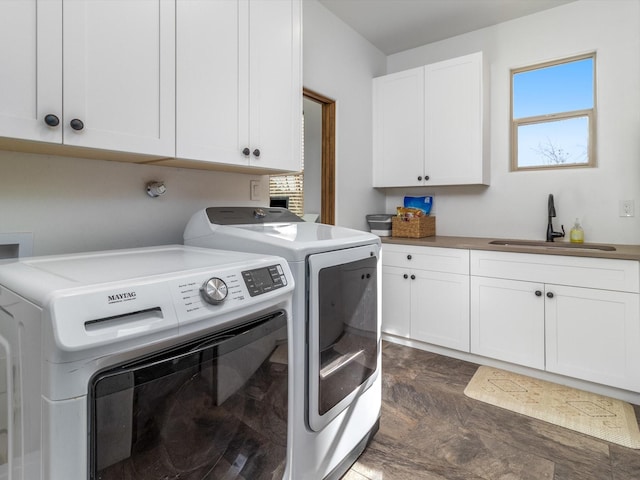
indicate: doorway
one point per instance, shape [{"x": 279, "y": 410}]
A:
[
  {"x": 327, "y": 156},
  {"x": 311, "y": 192}
]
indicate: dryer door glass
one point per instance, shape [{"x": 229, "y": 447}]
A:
[{"x": 215, "y": 408}]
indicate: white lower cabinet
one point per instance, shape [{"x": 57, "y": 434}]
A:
[
  {"x": 396, "y": 301},
  {"x": 572, "y": 316},
  {"x": 440, "y": 309},
  {"x": 426, "y": 295},
  {"x": 507, "y": 320},
  {"x": 593, "y": 335}
]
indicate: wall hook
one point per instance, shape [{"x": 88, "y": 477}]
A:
[{"x": 156, "y": 189}]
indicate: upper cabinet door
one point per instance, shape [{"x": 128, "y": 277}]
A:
[
  {"x": 454, "y": 121},
  {"x": 398, "y": 129},
  {"x": 239, "y": 84},
  {"x": 119, "y": 75},
  {"x": 30, "y": 55},
  {"x": 208, "y": 73},
  {"x": 275, "y": 92}
]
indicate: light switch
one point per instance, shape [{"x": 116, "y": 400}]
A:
[{"x": 254, "y": 185}]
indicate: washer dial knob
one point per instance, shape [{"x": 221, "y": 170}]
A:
[{"x": 214, "y": 291}]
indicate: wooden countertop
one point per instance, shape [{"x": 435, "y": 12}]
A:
[{"x": 621, "y": 252}]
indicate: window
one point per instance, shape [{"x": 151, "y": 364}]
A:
[
  {"x": 553, "y": 114},
  {"x": 289, "y": 187}
]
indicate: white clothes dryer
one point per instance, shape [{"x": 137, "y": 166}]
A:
[
  {"x": 148, "y": 363},
  {"x": 336, "y": 358}
]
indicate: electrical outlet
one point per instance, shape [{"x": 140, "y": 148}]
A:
[{"x": 627, "y": 208}]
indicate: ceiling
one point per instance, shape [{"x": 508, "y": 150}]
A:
[{"x": 397, "y": 25}]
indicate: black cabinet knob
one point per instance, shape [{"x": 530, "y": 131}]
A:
[
  {"x": 426, "y": 177},
  {"x": 549, "y": 294},
  {"x": 76, "y": 124},
  {"x": 409, "y": 257},
  {"x": 405, "y": 276},
  {"x": 420, "y": 178},
  {"x": 413, "y": 277},
  {"x": 52, "y": 120},
  {"x": 256, "y": 153},
  {"x": 246, "y": 152},
  {"x": 538, "y": 293}
]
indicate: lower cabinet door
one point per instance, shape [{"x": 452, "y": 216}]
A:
[
  {"x": 593, "y": 335},
  {"x": 440, "y": 309},
  {"x": 396, "y": 301},
  {"x": 507, "y": 320}
]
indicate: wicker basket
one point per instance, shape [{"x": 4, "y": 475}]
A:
[{"x": 413, "y": 227}]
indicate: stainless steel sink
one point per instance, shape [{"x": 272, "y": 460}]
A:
[{"x": 553, "y": 245}]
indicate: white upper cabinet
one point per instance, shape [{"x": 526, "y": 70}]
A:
[
  {"x": 208, "y": 96},
  {"x": 119, "y": 81},
  {"x": 239, "y": 84},
  {"x": 117, "y": 60},
  {"x": 398, "y": 128},
  {"x": 454, "y": 123},
  {"x": 31, "y": 59},
  {"x": 430, "y": 125}
]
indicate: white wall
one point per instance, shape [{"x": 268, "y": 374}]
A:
[
  {"x": 312, "y": 156},
  {"x": 515, "y": 204},
  {"x": 340, "y": 64},
  {"x": 75, "y": 205}
]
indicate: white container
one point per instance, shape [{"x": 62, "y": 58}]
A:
[{"x": 380, "y": 224}]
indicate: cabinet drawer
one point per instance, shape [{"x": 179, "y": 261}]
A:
[
  {"x": 602, "y": 273},
  {"x": 435, "y": 259}
]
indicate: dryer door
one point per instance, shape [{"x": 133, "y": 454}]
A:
[{"x": 344, "y": 329}]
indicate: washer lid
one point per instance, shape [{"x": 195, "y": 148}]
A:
[
  {"x": 37, "y": 277},
  {"x": 292, "y": 241}
]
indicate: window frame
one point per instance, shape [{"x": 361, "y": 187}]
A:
[{"x": 590, "y": 114}]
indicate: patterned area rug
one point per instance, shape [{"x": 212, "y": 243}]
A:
[{"x": 601, "y": 417}]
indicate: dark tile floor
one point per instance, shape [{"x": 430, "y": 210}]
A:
[{"x": 430, "y": 430}]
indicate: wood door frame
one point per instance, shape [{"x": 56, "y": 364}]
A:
[{"x": 328, "y": 181}]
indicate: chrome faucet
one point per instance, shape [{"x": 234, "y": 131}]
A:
[{"x": 552, "y": 213}]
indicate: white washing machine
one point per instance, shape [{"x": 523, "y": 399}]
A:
[
  {"x": 336, "y": 327},
  {"x": 165, "y": 362}
]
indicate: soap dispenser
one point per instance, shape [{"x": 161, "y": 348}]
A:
[{"x": 577, "y": 234}]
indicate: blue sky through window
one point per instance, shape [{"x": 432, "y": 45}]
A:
[{"x": 559, "y": 88}]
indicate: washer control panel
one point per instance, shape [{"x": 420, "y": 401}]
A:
[
  {"x": 265, "y": 279},
  {"x": 226, "y": 289}
]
